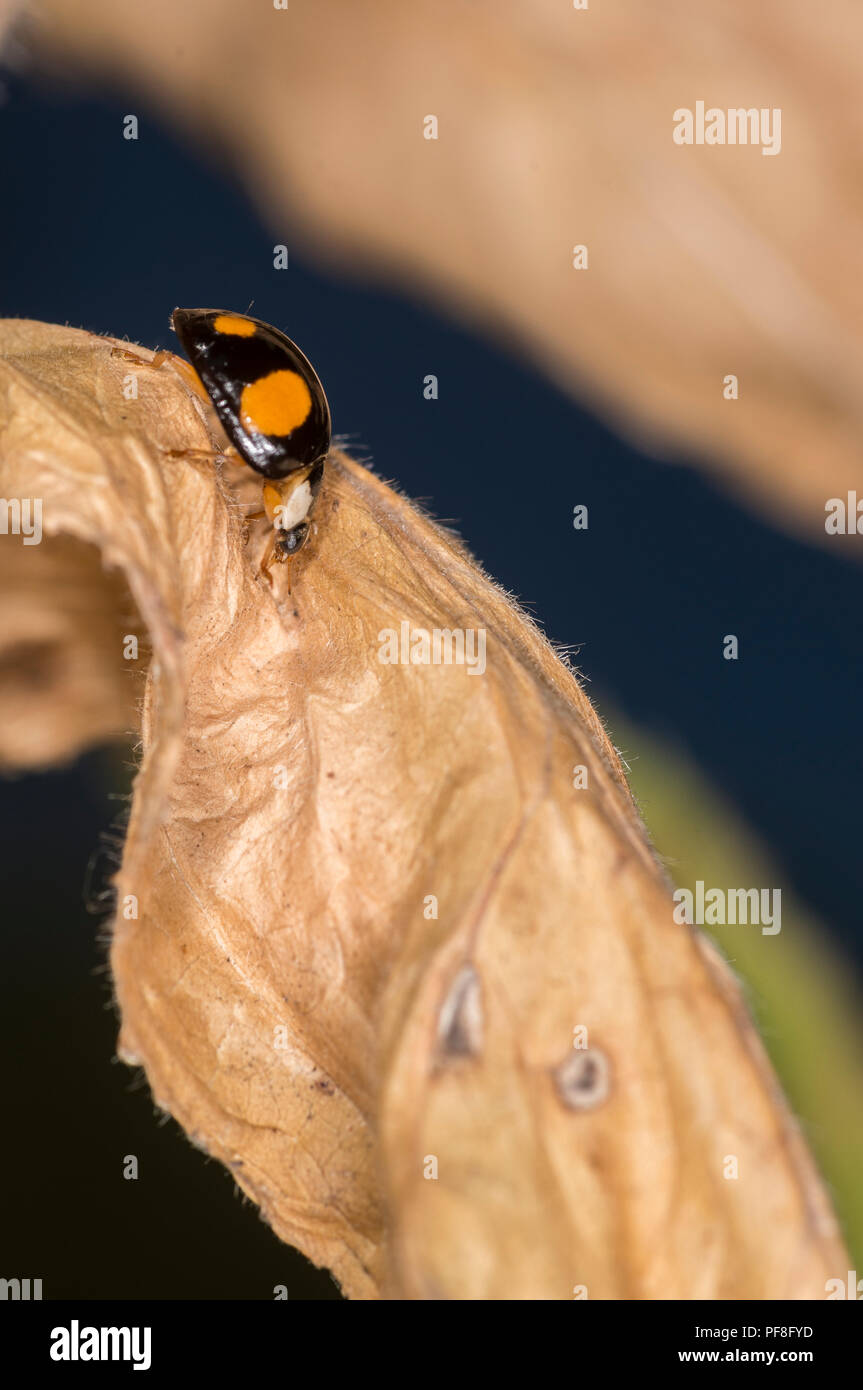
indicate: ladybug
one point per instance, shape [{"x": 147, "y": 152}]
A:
[{"x": 273, "y": 409}]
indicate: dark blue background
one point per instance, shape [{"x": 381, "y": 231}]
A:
[{"x": 109, "y": 235}]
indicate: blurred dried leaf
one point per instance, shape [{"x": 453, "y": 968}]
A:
[
  {"x": 555, "y": 129},
  {"x": 294, "y": 1001}
]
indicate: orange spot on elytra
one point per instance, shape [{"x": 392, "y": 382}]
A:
[
  {"x": 234, "y": 323},
  {"x": 276, "y": 404}
]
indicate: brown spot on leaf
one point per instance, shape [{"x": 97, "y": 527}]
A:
[
  {"x": 460, "y": 1020},
  {"x": 583, "y": 1079}
]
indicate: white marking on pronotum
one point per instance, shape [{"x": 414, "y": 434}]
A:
[
  {"x": 296, "y": 508},
  {"x": 459, "y": 1027},
  {"x": 583, "y": 1080}
]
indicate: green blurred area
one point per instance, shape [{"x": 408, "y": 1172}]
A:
[{"x": 803, "y": 995}]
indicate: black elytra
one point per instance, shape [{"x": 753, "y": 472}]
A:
[{"x": 264, "y": 390}]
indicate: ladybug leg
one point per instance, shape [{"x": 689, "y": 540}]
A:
[
  {"x": 213, "y": 455},
  {"x": 130, "y": 355},
  {"x": 162, "y": 357},
  {"x": 273, "y": 557},
  {"x": 249, "y": 517},
  {"x": 267, "y": 560}
]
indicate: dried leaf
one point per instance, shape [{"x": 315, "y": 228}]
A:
[{"x": 372, "y": 907}]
